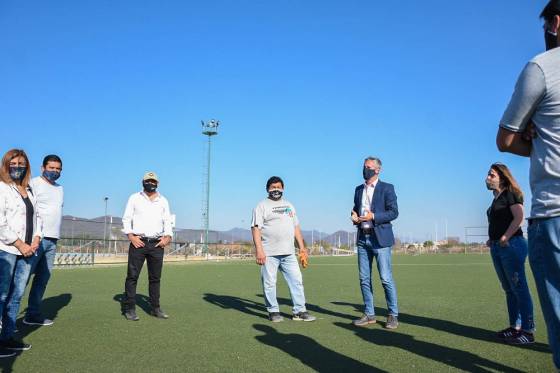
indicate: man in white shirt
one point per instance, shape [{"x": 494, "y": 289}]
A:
[
  {"x": 147, "y": 223},
  {"x": 50, "y": 199}
]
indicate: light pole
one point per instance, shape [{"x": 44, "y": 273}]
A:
[{"x": 209, "y": 129}]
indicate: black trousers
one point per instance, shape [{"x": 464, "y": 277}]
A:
[{"x": 154, "y": 257}]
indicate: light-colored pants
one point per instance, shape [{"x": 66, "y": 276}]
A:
[{"x": 288, "y": 265}]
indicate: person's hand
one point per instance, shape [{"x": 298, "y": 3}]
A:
[
  {"x": 303, "y": 258},
  {"x": 261, "y": 257},
  {"x": 24, "y": 248},
  {"x": 355, "y": 218},
  {"x": 367, "y": 217},
  {"x": 35, "y": 244},
  {"x": 530, "y": 132},
  {"x": 504, "y": 241},
  {"x": 164, "y": 241},
  {"x": 136, "y": 241}
]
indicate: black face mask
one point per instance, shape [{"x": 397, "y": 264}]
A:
[
  {"x": 149, "y": 187},
  {"x": 369, "y": 173},
  {"x": 550, "y": 40},
  {"x": 275, "y": 195},
  {"x": 17, "y": 173}
]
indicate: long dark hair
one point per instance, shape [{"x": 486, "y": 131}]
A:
[{"x": 507, "y": 181}]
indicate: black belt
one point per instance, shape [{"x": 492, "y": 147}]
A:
[
  {"x": 367, "y": 230},
  {"x": 150, "y": 239}
]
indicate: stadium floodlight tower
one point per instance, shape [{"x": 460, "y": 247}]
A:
[{"x": 209, "y": 129}]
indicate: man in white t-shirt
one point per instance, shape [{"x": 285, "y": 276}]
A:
[
  {"x": 274, "y": 227},
  {"x": 50, "y": 199}
]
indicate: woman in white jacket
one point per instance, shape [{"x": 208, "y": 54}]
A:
[{"x": 19, "y": 239}]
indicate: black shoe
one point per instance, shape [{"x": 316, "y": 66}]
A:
[
  {"x": 158, "y": 312},
  {"x": 392, "y": 322},
  {"x": 130, "y": 315},
  {"x": 6, "y": 353},
  {"x": 303, "y": 316},
  {"x": 521, "y": 338},
  {"x": 275, "y": 317},
  {"x": 15, "y": 345},
  {"x": 507, "y": 333},
  {"x": 42, "y": 321},
  {"x": 364, "y": 320}
]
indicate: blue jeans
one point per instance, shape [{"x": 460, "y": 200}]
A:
[
  {"x": 21, "y": 272},
  {"x": 509, "y": 263},
  {"x": 288, "y": 265},
  {"x": 544, "y": 257},
  {"x": 368, "y": 249},
  {"x": 7, "y": 268},
  {"x": 42, "y": 268}
]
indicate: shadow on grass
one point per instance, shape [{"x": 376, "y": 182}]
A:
[
  {"x": 310, "y": 353},
  {"x": 450, "y": 327},
  {"x": 319, "y": 360},
  {"x": 50, "y": 308},
  {"x": 452, "y": 357},
  {"x": 247, "y": 306},
  {"x": 142, "y": 301}
]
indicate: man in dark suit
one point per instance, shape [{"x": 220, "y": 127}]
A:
[{"x": 375, "y": 207}]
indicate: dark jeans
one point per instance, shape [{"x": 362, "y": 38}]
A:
[{"x": 154, "y": 257}]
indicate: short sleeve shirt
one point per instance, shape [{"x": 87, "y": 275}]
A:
[
  {"x": 500, "y": 215},
  {"x": 277, "y": 221},
  {"x": 536, "y": 99}
]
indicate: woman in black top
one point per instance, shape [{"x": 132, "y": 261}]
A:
[{"x": 509, "y": 252}]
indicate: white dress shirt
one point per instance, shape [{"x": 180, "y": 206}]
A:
[
  {"x": 147, "y": 218},
  {"x": 367, "y": 203},
  {"x": 13, "y": 225},
  {"x": 50, "y": 199}
]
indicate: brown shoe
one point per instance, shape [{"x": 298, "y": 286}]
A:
[
  {"x": 364, "y": 320},
  {"x": 392, "y": 322}
]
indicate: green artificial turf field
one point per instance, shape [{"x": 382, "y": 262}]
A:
[{"x": 450, "y": 307}]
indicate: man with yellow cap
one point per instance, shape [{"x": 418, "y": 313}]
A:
[{"x": 147, "y": 224}]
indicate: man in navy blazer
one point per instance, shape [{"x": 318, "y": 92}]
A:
[{"x": 375, "y": 207}]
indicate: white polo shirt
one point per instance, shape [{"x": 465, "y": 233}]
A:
[{"x": 147, "y": 218}]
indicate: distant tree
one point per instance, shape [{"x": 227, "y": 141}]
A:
[{"x": 428, "y": 244}]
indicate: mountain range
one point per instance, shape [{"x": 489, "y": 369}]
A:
[{"x": 111, "y": 227}]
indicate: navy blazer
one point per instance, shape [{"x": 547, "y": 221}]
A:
[{"x": 385, "y": 210}]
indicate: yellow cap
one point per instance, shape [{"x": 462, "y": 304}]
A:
[{"x": 150, "y": 176}]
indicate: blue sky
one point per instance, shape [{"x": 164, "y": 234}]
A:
[{"x": 304, "y": 90}]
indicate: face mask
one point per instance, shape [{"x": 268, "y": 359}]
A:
[
  {"x": 492, "y": 185},
  {"x": 149, "y": 187},
  {"x": 17, "y": 173},
  {"x": 275, "y": 194},
  {"x": 550, "y": 39},
  {"x": 369, "y": 173},
  {"x": 51, "y": 176}
]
